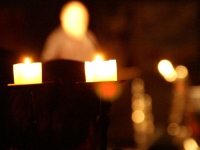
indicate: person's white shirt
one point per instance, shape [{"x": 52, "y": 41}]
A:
[{"x": 60, "y": 45}]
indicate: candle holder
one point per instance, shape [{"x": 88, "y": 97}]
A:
[
  {"x": 70, "y": 76},
  {"x": 32, "y": 123},
  {"x": 102, "y": 119}
]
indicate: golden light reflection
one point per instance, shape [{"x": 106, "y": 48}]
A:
[
  {"x": 166, "y": 68},
  {"x": 190, "y": 144},
  {"x": 138, "y": 116},
  {"x": 141, "y": 116},
  {"x": 74, "y": 18},
  {"x": 183, "y": 132},
  {"x": 138, "y": 104},
  {"x": 137, "y": 85},
  {"x": 182, "y": 72},
  {"x": 173, "y": 129}
]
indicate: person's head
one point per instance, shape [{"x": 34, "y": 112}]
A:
[{"x": 74, "y": 18}]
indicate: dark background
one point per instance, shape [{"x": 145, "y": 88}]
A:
[{"x": 136, "y": 33}]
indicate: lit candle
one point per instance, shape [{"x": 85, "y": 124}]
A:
[
  {"x": 99, "y": 70},
  {"x": 27, "y": 72}
]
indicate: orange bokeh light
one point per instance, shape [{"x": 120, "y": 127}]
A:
[{"x": 108, "y": 90}]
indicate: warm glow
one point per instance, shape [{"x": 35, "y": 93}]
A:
[
  {"x": 167, "y": 70},
  {"x": 98, "y": 58},
  {"x": 27, "y": 72},
  {"x": 99, "y": 70},
  {"x": 182, "y": 72},
  {"x": 137, "y": 86},
  {"x": 138, "y": 104},
  {"x": 190, "y": 144},
  {"x": 27, "y": 61},
  {"x": 183, "y": 132},
  {"x": 173, "y": 129},
  {"x": 138, "y": 116},
  {"x": 74, "y": 18},
  {"x": 108, "y": 90}
]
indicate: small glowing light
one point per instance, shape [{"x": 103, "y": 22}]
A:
[
  {"x": 183, "y": 132},
  {"x": 108, "y": 90},
  {"x": 138, "y": 104},
  {"x": 138, "y": 116},
  {"x": 166, "y": 68},
  {"x": 27, "y": 61},
  {"x": 98, "y": 58},
  {"x": 190, "y": 144},
  {"x": 137, "y": 85},
  {"x": 173, "y": 129},
  {"x": 182, "y": 72}
]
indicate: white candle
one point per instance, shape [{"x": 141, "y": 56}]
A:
[
  {"x": 27, "y": 73},
  {"x": 99, "y": 70}
]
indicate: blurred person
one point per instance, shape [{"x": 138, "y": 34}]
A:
[
  {"x": 65, "y": 114},
  {"x": 72, "y": 39}
]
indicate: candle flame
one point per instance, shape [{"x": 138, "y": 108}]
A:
[
  {"x": 98, "y": 58},
  {"x": 27, "y": 61}
]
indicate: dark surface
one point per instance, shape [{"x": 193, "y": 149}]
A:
[
  {"x": 53, "y": 115},
  {"x": 7, "y": 59},
  {"x": 63, "y": 71}
]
